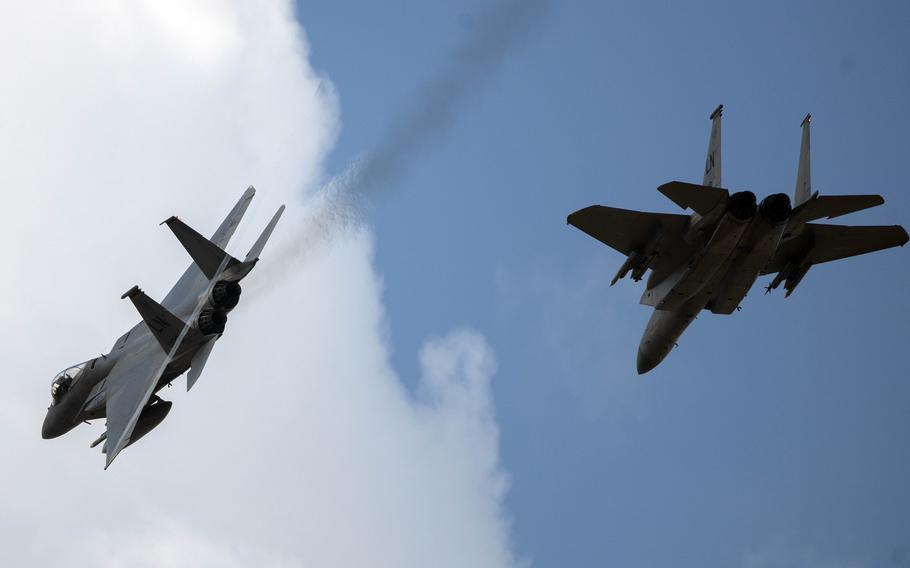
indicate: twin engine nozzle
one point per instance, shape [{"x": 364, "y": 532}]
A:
[
  {"x": 741, "y": 205},
  {"x": 775, "y": 208},
  {"x": 225, "y": 296}
]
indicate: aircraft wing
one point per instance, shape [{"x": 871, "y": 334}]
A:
[
  {"x": 824, "y": 243},
  {"x": 130, "y": 385},
  {"x": 625, "y": 230}
]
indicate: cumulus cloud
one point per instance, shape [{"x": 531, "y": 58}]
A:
[{"x": 299, "y": 446}]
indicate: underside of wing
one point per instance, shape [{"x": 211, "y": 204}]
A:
[
  {"x": 130, "y": 384},
  {"x": 624, "y": 230},
  {"x": 824, "y": 243}
]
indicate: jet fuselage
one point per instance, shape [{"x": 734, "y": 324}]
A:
[
  {"x": 85, "y": 398},
  {"x": 719, "y": 272},
  {"x": 711, "y": 258}
]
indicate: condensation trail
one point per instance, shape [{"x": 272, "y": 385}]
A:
[{"x": 488, "y": 36}]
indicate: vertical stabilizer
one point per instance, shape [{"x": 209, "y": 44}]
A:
[
  {"x": 712, "y": 162},
  {"x": 254, "y": 253},
  {"x": 803, "y": 174}
]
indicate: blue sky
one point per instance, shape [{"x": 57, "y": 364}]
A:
[
  {"x": 776, "y": 436},
  {"x": 465, "y": 333}
]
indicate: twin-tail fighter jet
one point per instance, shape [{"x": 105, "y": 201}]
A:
[
  {"x": 174, "y": 336},
  {"x": 710, "y": 260}
]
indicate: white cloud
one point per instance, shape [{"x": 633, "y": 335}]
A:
[{"x": 299, "y": 445}]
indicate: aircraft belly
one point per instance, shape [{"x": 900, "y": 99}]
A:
[
  {"x": 175, "y": 368},
  {"x": 744, "y": 267},
  {"x": 691, "y": 278}
]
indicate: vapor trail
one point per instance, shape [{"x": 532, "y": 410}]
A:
[{"x": 488, "y": 37}]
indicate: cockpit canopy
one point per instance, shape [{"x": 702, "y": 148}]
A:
[{"x": 64, "y": 381}]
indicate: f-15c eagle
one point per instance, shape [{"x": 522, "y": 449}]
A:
[
  {"x": 174, "y": 336},
  {"x": 710, "y": 260}
]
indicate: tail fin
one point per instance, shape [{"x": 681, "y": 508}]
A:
[
  {"x": 227, "y": 227},
  {"x": 182, "y": 289},
  {"x": 207, "y": 255},
  {"x": 254, "y": 253},
  {"x": 712, "y": 162},
  {"x": 803, "y": 174}
]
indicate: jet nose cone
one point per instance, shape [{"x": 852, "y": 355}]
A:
[
  {"x": 46, "y": 432},
  {"x": 645, "y": 362},
  {"x": 49, "y": 429}
]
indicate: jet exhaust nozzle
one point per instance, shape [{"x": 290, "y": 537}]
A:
[
  {"x": 226, "y": 294},
  {"x": 776, "y": 208},
  {"x": 742, "y": 205},
  {"x": 211, "y": 321}
]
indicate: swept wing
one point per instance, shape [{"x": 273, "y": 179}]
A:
[
  {"x": 823, "y": 243},
  {"x": 130, "y": 385}
]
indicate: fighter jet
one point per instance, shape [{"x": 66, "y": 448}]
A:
[
  {"x": 174, "y": 336},
  {"x": 711, "y": 258}
]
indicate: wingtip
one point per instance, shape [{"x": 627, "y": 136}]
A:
[
  {"x": 807, "y": 120},
  {"x": 111, "y": 456},
  {"x": 719, "y": 111},
  {"x": 168, "y": 221}
]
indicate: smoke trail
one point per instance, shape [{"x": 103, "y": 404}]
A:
[{"x": 488, "y": 37}]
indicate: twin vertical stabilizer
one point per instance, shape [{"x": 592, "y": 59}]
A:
[
  {"x": 712, "y": 162},
  {"x": 803, "y": 175}
]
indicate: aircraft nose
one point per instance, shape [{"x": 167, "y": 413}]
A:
[
  {"x": 48, "y": 429},
  {"x": 645, "y": 362}
]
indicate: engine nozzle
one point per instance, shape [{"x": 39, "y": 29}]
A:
[
  {"x": 742, "y": 205},
  {"x": 211, "y": 321},
  {"x": 776, "y": 208},
  {"x": 225, "y": 294}
]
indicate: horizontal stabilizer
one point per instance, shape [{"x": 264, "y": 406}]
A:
[
  {"x": 698, "y": 198},
  {"x": 830, "y": 206},
  {"x": 164, "y": 325},
  {"x": 207, "y": 255},
  {"x": 625, "y": 230}
]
